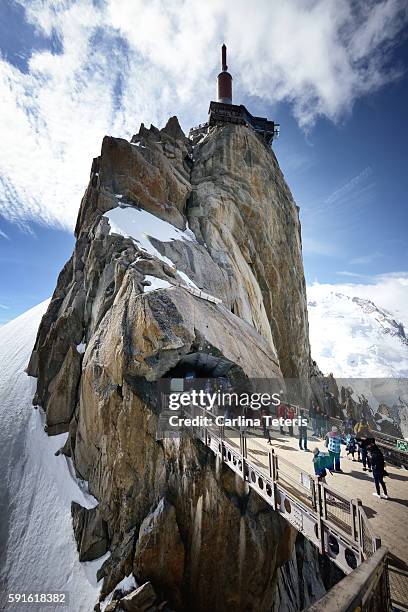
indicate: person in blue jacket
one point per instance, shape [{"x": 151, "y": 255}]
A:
[
  {"x": 351, "y": 445},
  {"x": 333, "y": 443}
]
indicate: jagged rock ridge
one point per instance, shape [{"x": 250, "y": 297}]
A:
[{"x": 134, "y": 304}]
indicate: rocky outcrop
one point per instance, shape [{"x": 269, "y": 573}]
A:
[
  {"x": 140, "y": 600},
  {"x": 242, "y": 209},
  {"x": 175, "y": 515},
  {"x": 91, "y": 533},
  {"x": 159, "y": 553},
  {"x": 63, "y": 392}
]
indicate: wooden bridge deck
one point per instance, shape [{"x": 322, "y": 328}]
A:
[
  {"x": 342, "y": 517},
  {"x": 388, "y": 518}
]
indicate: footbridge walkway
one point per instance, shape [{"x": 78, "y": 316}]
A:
[{"x": 364, "y": 536}]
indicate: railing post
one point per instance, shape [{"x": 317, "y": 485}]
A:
[
  {"x": 276, "y": 466},
  {"x": 242, "y": 444},
  {"x": 359, "y": 505},
  {"x": 313, "y": 490},
  {"x": 273, "y": 467},
  {"x": 354, "y": 519},
  {"x": 376, "y": 543},
  {"x": 356, "y": 531},
  {"x": 320, "y": 511},
  {"x": 324, "y": 504}
]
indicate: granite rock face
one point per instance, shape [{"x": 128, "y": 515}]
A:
[
  {"x": 242, "y": 209},
  {"x": 127, "y": 308},
  {"x": 159, "y": 553},
  {"x": 90, "y": 532}
]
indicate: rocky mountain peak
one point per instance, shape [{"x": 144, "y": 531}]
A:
[
  {"x": 384, "y": 319},
  {"x": 180, "y": 251}
]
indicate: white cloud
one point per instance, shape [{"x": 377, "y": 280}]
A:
[
  {"x": 366, "y": 259},
  {"x": 4, "y": 235},
  {"x": 352, "y": 274},
  {"x": 127, "y": 61}
]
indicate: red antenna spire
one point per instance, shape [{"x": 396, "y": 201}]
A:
[
  {"x": 224, "y": 80},
  {"x": 224, "y": 58}
]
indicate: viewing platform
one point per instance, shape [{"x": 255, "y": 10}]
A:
[{"x": 341, "y": 518}]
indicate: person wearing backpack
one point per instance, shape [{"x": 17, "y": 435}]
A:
[
  {"x": 281, "y": 414},
  {"x": 320, "y": 464}
]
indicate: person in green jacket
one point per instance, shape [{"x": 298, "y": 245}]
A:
[{"x": 321, "y": 464}]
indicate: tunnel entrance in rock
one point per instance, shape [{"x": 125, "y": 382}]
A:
[
  {"x": 201, "y": 370},
  {"x": 202, "y": 365},
  {"x": 207, "y": 382}
]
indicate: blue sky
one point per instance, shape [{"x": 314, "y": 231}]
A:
[{"x": 333, "y": 74}]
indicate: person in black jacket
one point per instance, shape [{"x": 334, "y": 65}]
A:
[{"x": 378, "y": 467}]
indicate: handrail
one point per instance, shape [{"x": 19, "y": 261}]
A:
[
  {"x": 337, "y": 525},
  {"x": 366, "y": 588},
  {"x": 334, "y": 523}
]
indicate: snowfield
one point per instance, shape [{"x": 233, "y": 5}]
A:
[
  {"x": 37, "y": 546},
  {"x": 352, "y": 337},
  {"x": 364, "y": 346}
]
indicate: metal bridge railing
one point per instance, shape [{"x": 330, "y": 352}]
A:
[
  {"x": 336, "y": 524},
  {"x": 398, "y": 580},
  {"x": 338, "y": 509},
  {"x": 366, "y": 589}
]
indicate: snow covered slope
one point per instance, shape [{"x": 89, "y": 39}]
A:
[
  {"x": 37, "y": 546},
  {"x": 354, "y": 337},
  {"x": 365, "y": 347}
]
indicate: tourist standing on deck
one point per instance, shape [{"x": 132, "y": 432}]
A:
[
  {"x": 351, "y": 445},
  {"x": 281, "y": 414},
  {"x": 290, "y": 414},
  {"x": 333, "y": 443},
  {"x": 363, "y": 432},
  {"x": 302, "y": 431},
  {"x": 319, "y": 421},
  {"x": 378, "y": 467}
]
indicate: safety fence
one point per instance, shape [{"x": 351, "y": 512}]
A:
[
  {"x": 337, "y": 525},
  {"x": 365, "y": 589}
]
